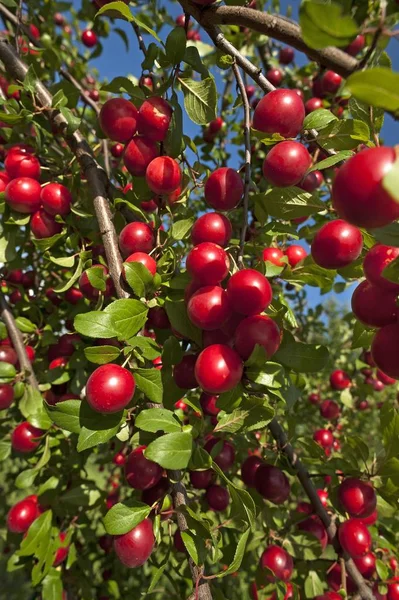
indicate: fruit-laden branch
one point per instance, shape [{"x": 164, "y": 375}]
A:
[
  {"x": 17, "y": 341},
  {"x": 273, "y": 26},
  {"x": 303, "y": 476},
  {"x": 96, "y": 178}
]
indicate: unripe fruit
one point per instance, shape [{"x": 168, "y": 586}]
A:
[
  {"x": 218, "y": 369},
  {"x": 201, "y": 480},
  {"x": 208, "y": 263},
  {"x": 22, "y": 515},
  {"x": 281, "y": 111},
  {"x": 375, "y": 261},
  {"x": 357, "y": 192},
  {"x": 136, "y": 237},
  {"x": 212, "y": 227},
  {"x": 339, "y": 380},
  {"x": 135, "y": 547},
  {"x": 154, "y": 118},
  {"x": 163, "y": 175},
  {"x": 140, "y": 472},
  {"x": 56, "y": 199},
  {"x": 354, "y": 537},
  {"x": 26, "y": 438},
  {"x": 329, "y": 410},
  {"x": 385, "y": 350},
  {"x": 89, "y": 291},
  {"x": 278, "y": 561},
  {"x": 366, "y": 565},
  {"x": 272, "y": 483},
  {"x": 357, "y": 497},
  {"x": 315, "y": 527},
  {"x": 217, "y": 497},
  {"x": 336, "y": 245},
  {"x": 118, "y": 119},
  {"x": 324, "y": 438},
  {"x": 249, "y": 292},
  {"x": 286, "y": 55},
  {"x": 208, "y": 405},
  {"x": 373, "y": 305},
  {"x": 43, "y": 225},
  {"x": 139, "y": 153},
  {"x": 184, "y": 372},
  {"x": 209, "y": 308},
  {"x": 144, "y": 259},
  {"x": 295, "y": 255},
  {"x": 249, "y": 468},
  {"x": 89, "y": 38},
  {"x": 313, "y": 104},
  {"x": 225, "y": 456},
  {"x": 286, "y": 164},
  {"x": 331, "y": 82},
  {"x": 6, "y": 395},
  {"x": 110, "y": 388},
  {"x": 224, "y": 189},
  {"x": 23, "y": 195},
  {"x": 21, "y": 162},
  {"x": 257, "y": 329}
]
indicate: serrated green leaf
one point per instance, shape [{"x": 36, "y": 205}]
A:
[
  {"x": 200, "y": 99},
  {"x": 289, "y": 203},
  {"x": 128, "y": 317}
]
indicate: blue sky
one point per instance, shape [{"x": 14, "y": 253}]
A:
[{"x": 117, "y": 61}]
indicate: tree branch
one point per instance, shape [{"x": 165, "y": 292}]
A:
[
  {"x": 303, "y": 476},
  {"x": 17, "y": 341}
]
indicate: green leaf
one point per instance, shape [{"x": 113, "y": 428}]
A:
[
  {"x": 387, "y": 235},
  {"x": 289, "y": 203},
  {"x": 362, "y": 336},
  {"x": 343, "y": 135},
  {"x": 373, "y": 117},
  {"x": 318, "y": 119},
  {"x": 238, "y": 555},
  {"x": 25, "y": 325},
  {"x": 73, "y": 122},
  {"x": 139, "y": 278},
  {"x": 97, "y": 278},
  {"x": 313, "y": 585},
  {"x": 149, "y": 381},
  {"x": 390, "y": 181},
  {"x": 378, "y": 86},
  {"x": 124, "y": 84},
  {"x": 7, "y": 244},
  {"x": 25, "y": 479},
  {"x": 171, "y": 451},
  {"x": 96, "y": 324},
  {"x": 157, "y": 419},
  {"x": 96, "y": 428},
  {"x": 116, "y": 10},
  {"x": 174, "y": 143},
  {"x": 100, "y": 355},
  {"x": 124, "y": 517},
  {"x": 52, "y": 586},
  {"x": 66, "y": 415},
  {"x": 325, "y": 25},
  {"x": 38, "y": 533},
  {"x": 331, "y": 160},
  {"x": 177, "y": 314},
  {"x": 200, "y": 99},
  {"x": 181, "y": 228},
  {"x": 192, "y": 58},
  {"x": 5, "y": 450},
  {"x": 304, "y": 358},
  {"x": 128, "y": 317},
  {"x": 175, "y": 45}
]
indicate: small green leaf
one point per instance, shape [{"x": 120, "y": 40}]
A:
[
  {"x": 304, "y": 358},
  {"x": 325, "y": 25},
  {"x": 139, "y": 278},
  {"x": 289, "y": 203},
  {"x": 66, "y": 415},
  {"x": 124, "y": 517},
  {"x": 171, "y": 451},
  {"x": 149, "y": 381},
  {"x": 378, "y": 86},
  {"x": 200, "y": 99},
  {"x": 181, "y": 228},
  {"x": 238, "y": 555},
  {"x": 100, "y": 355},
  {"x": 177, "y": 313},
  {"x": 97, "y": 278},
  {"x": 331, "y": 160},
  {"x": 37, "y": 532},
  {"x": 128, "y": 317},
  {"x": 157, "y": 419},
  {"x": 96, "y": 428},
  {"x": 96, "y": 324},
  {"x": 175, "y": 45},
  {"x": 313, "y": 585},
  {"x": 318, "y": 119}
]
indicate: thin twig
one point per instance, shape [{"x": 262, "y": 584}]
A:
[
  {"x": 106, "y": 157},
  {"x": 377, "y": 34},
  {"x": 343, "y": 573},
  {"x": 140, "y": 40},
  {"x": 247, "y": 179}
]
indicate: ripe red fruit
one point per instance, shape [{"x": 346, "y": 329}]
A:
[
  {"x": 216, "y": 125},
  {"x": 212, "y": 227},
  {"x": 366, "y": 565},
  {"x": 62, "y": 551},
  {"x": 393, "y": 591},
  {"x": 117, "y": 150},
  {"x": 313, "y": 104},
  {"x": 286, "y": 55},
  {"x": 146, "y": 81},
  {"x": 136, "y": 237},
  {"x": 275, "y": 76},
  {"x": 208, "y": 263},
  {"x": 89, "y": 38},
  {"x": 273, "y": 255},
  {"x": 158, "y": 318},
  {"x": 373, "y": 305},
  {"x": 23, "y": 195},
  {"x": 25, "y": 438},
  {"x": 315, "y": 527},
  {"x": 354, "y": 537},
  {"x": 163, "y": 175},
  {"x": 139, "y": 153},
  {"x": 184, "y": 372},
  {"x": 144, "y": 259},
  {"x": 385, "y": 350},
  {"x": 329, "y": 596},
  {"x": 295, "y": 254},
  {"x": 135, "y": 547},
  {"x": 314, "y": 398},
  {"x": 249, "y": 291},
  {"x": 258, "y": 329},
  {"x": 375, "y": 261},
  {"x": 59, "y": 19},
  {"x": 225, "y": 456},
  {"x": 218, "y": 369},
  {"x": 357, "y": 192},
  {"x": 272, "y": 483},
  {"x": 331, "y": 82},
  {"x": 356, "y": 45},
  {"x": 286, "y": 164},
  {"x": 249, "y": 468},
  {"x": 43, "y": 225},
  {"x": 281, "y": 111},
  {"x": 334, "y": 580},
  {"x": 278, "y": 561},
  {"x": 141, "y": 473},
  {"x": 209, "y": 307},
  {"x": 119, "y": 459},
  {"x": 90, "y": 291},
  {"x": 339, "y": 380},
  {"x": 21, "y": 162},
  {"x": 58, "y": 363},
  {"x": 118, "y": 119},
  {"x": 336, "y": 245},
  {"x": 56, "y": 199},
  {"x": 217, "y": 497},
  {"x": 323, "y": 495},
  {"x": 329, "y": 410},
  {"x": 324, "y": 438},
  {"x": 224, "y": 189},
  {"x": 8, "y": 355},
  {"x": 157, "y": 492},
  {"x": 385, "y": 379},
  {"x": 22, "y": 515},
  {"x": 357, "y": 497},
  {"x": 6, "y": 395},
  {"x": 154, "y": 118},
  {"x": 73, "y": 295},
  {"x": 201, "y": 480},
  {"x": 110, "y": 388}
]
